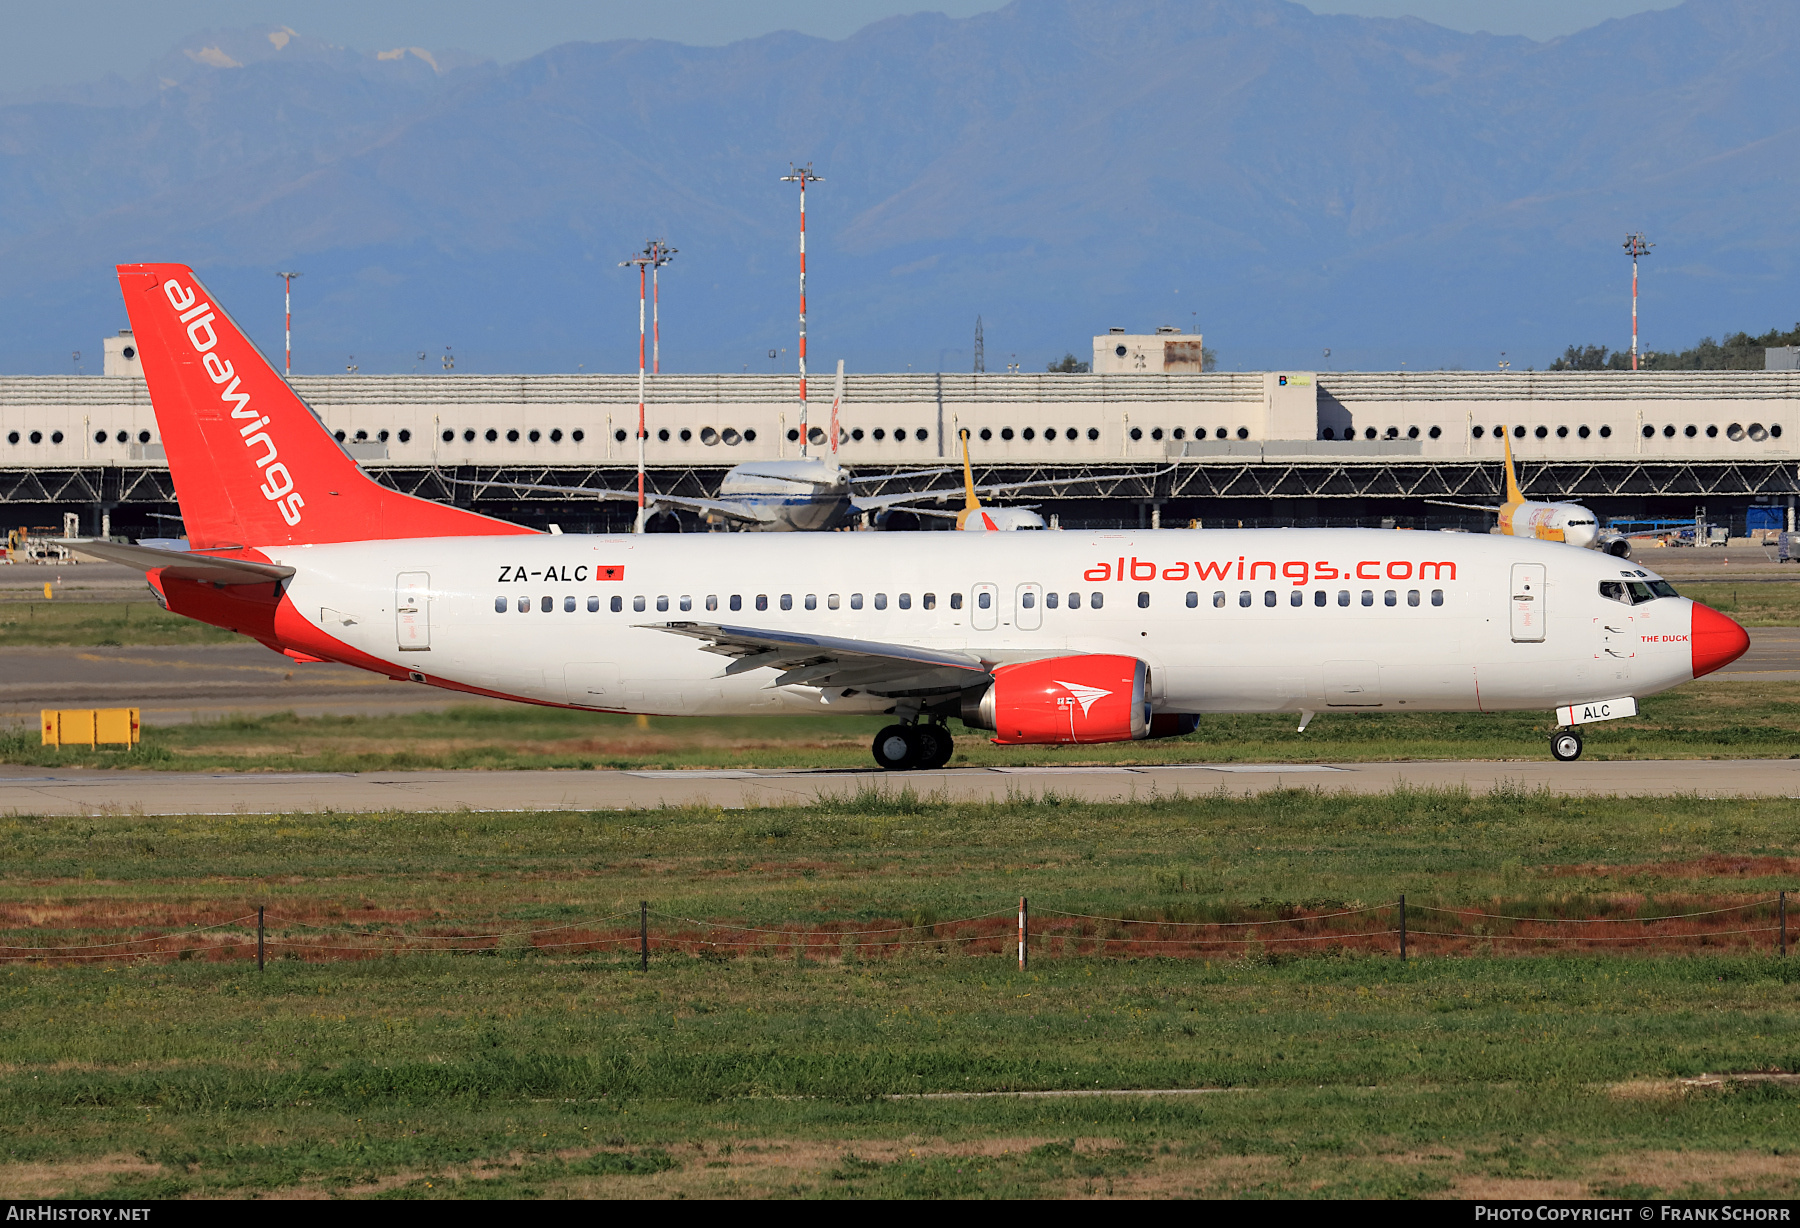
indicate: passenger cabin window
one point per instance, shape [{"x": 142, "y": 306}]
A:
[
  {"x": 1052, "y": 600},
  {"x": 906, "y": 601},
  {"x": 1218, "y": 601},
  {"x": 662, "y": 605},
  {"x": 856, "y": 601},
  {"x": 1368, "y": 596},
  {"x": 1193, "y": 601},
  {"x": 737, "y": 601},
  {"x": 1412, "y": 596},
  {"x": 687, "y": 603},
  {"x": 524, "y": 604},
  {"x": 1028, "y": 599},
  {"x": 1319, "y": 597},
  {"x": 1244, "y": 599},
  {"x": 637, "y": 604},
  {"x": 568, "y": 605},
  {"x": 712, "y": 601},
  {"x": 1437, "y": 596},
  {"x": 1074, "y": 601},
  {"x": 1096, "y": 600},
  {"x": 1296, "y": 598},
  {"x": 881, "y": 601},
  {"x": 1390, "y": 598},
  {"x": 831, "y": 601},
  {"x": 928, "y": 601},
  {"x": 593, "y": 605},
  {"x": 812, "y": 601},
  {"x": 500, "y": 604},
  {"x": 548, "y": 604},
  {"x": 1343, "y": 596},
  {"x": 984, "y": 600},
  {"x": 618, "y": 604},
  {"x": 787, "y": 601},
  {"x": 1143, "y": 601},
  {"x": 956, "y": 601},
  {"x": 1269, "y": 597},
  {"x": 762, "y": 601}
]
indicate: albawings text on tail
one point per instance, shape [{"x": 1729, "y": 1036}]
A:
[{"x": 278, "y": 483}]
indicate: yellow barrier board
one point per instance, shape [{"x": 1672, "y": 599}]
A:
[{"x": 90, "y": 726}]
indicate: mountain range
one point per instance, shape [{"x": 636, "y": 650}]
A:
[{"x": 1286, "y": 182}]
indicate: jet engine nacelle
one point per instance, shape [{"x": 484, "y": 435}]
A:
[{"x": 1097, "y": 698}]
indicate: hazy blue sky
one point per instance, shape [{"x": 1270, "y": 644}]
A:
[{"x": 70, "y": 41}]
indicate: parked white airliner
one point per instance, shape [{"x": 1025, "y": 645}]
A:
[{"x": 1041, "y": 637}]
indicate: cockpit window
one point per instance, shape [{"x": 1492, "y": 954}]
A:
[{"x": 1636, "y": 592}]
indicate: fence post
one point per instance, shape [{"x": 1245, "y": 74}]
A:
[
  {"x": 1784, "y": 925},
  {"x": 1403, "y": 927},
  {"x": 1023, "y": 932},
  {"x": 259, "y": 937},
  {"x": 643, "y": 935}
]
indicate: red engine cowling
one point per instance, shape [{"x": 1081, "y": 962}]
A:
[{"x": 1098, "y": 698}]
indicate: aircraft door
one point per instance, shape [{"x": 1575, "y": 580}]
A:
[
  {"x": 1028, "y": 607},
  {"x": 412, "y": 611},
  {"x": 1528, "y": 603},
  {"x": 985, "y": 612}
]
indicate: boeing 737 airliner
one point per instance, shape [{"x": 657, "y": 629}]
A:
[{"x": 1057, "y": 637}]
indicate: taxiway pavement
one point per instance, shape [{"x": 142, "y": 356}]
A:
[{"x": 29, "y": 791}]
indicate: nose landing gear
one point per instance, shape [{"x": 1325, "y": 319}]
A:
[
  {"x": 1565, "y": 745},
  {"x": 901, "y": 748}
]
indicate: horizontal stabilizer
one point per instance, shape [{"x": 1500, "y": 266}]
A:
[{"x": 182, "y": 565}]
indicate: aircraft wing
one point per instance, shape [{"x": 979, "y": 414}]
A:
[
  {"x": 898, "y": 498},
  {"x": 916, "y": 473},
  {"x": 717, "y": 507},
  {"x": 1473, "y": 507},
  {"x": 181, "y": 564},
  {"x": 829, "y": 661}
]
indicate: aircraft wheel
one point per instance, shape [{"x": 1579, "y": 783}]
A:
[
  {"x": 1565, "y": 745},
  {"x": 935, "y": 745},
  {"x": 897, "y": 748}
]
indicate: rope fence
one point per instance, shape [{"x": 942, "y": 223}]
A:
[{"x": 1374, "y": 929}]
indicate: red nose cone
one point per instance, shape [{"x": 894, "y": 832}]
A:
[{"x": 1717, "y": 640}]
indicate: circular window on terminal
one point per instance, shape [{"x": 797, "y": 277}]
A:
[
  {"x": 537, "y": 435},
  {"x": 1542, "y": 432},
  {"x": 556, "y": 435},
  {"x": 130, "y": 352},
  {"x": 986, "y": 433},
  {"x": 1156, "y": 432},
  {"x": 469, "y": 436},
  {"x": 405, "y": 435},
  {"x": 1478, "y": 432},
  {"x": 1119, "y": 350},
  {"x": 339, "y": 435},
  {"x": 37, "y": 437},
  {"x": 143, "y": 436},
  {"x": 1669, "y": 431},
  {"x": 577, "y": 435},
  {"x": 1137, "y": 432},
  {"x": 12, "y": 437},
  {"x": 1243, "y": 432},
  {"x": 1518, "y": 432},
  {"x": 1712, "y": 432},
  {"x": 1436, "y": 431},
  {"x": 1006, "y": 432},
  {"x": 1369, "y": 433},
  {"x": 382, "y": 436},
  {"x": 1583, "y": 431},
  {"x": 793, "y": 434},
  {"x": 749, "y": 435},
  {"x": 619, "y": 435},
  {"x": 662, "y": 436},
  {"x": 493, "y": 436},
  {"x": 1605, "y": 431},
  {"x": 57, "y": 436},
  {"x": 123, "y": 437},
  {"x": 99, "y": 436},
  {"x": 1562, "y": 432},
  {"x": 1028, "y": 434},
  {"x": 1691, "y": 430},
  {"x": 1178, "y": 433},
  {"x": 1649, "y": 432},
  {"x": 362, "y": 437},
  {"x": 1412, "y": 432}
]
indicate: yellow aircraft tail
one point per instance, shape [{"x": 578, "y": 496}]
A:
[
  {"x": 1513, "y": 494},
  {"x": 971, "y": 504}
]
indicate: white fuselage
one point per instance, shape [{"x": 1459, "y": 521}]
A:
[
  {"x": 791, "y": 496},
  {"x": 1408, "y": 621}
]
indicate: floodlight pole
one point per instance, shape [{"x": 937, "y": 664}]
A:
[
  {"x": 287, "y": 281},
  {"x": 802, "y": 176},
  {"x": 660, "y": 254},
  {"x": 1635, "y": 246},
  {"x": 642, "y": 263}
]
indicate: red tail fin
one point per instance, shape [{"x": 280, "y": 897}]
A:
[{"x": 253, "y": 465}]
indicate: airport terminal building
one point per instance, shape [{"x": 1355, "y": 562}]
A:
[{"x": 1134, "y": 447}]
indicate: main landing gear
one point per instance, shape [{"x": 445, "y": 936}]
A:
[
  {"x": 900, "y": 748},
  {"x": 1565, "y": 745}
]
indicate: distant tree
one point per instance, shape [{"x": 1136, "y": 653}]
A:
[
  {"x": 1738, "y": 352},
  {"x": 1209, "y": 358},
  {"x": 1581, "y": 358},
  {"x": 1070, "y": 365}
]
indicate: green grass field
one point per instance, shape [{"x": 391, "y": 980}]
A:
[
  {"x": 90, "y": 624},
  {"x": 1723, "y": 720},
  {"x": 527, "y": 1072},
  {"x": 1753, "y": 604}
]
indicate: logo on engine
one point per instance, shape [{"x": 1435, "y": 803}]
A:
[{"x": 1086, "y": 696}]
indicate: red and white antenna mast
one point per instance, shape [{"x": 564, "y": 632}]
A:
[
  {"x": 288, "y": 330},
  {"x": 1635, "y": 246},
  {"x": 660, "y": 253},
  {"x": 643, "y": 262},
  {"x": 802, "y": 176}
]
